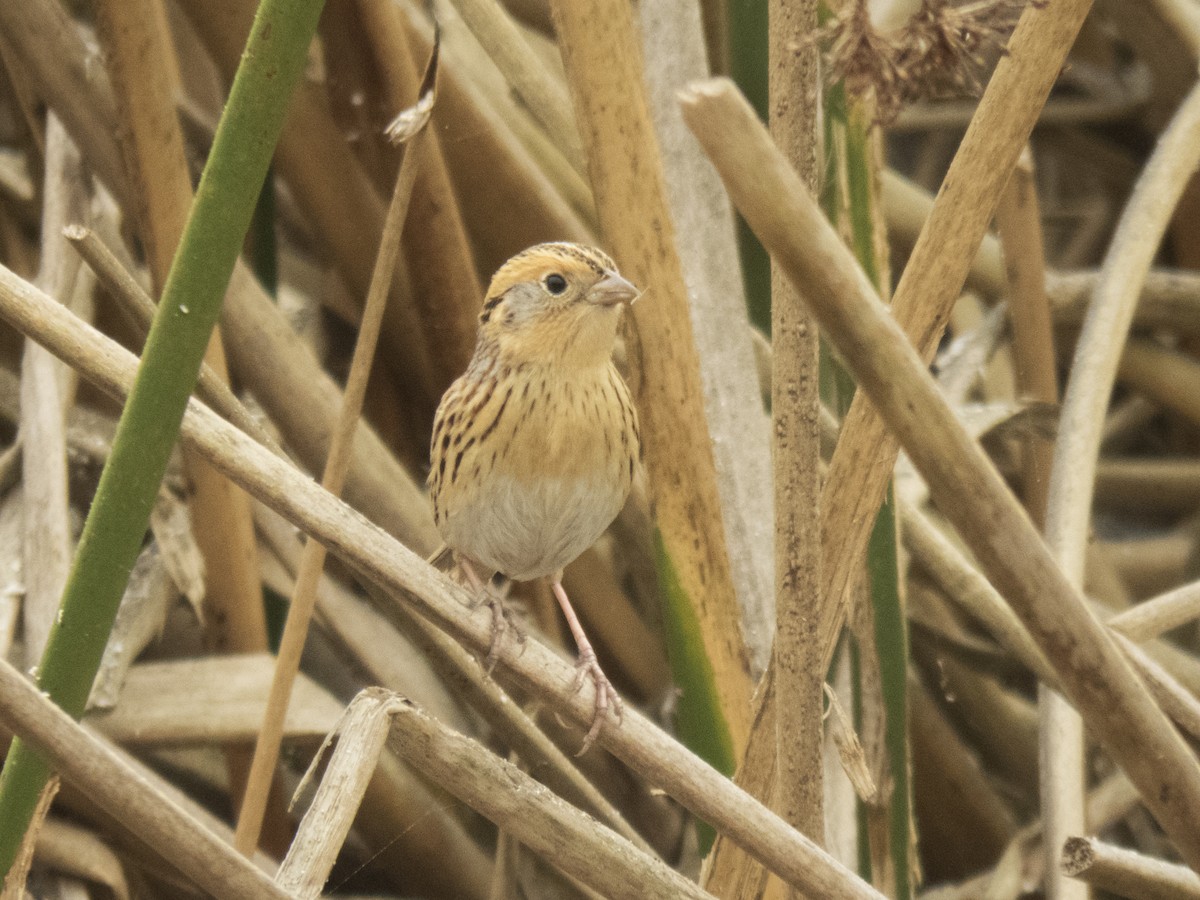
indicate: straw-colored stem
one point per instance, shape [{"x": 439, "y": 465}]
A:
[
  {"x": 796, "y": 452},
  {"x": 1126, "y": 873},
  {"x": 546, "y": 98},
  {"x": 1092, "y": 669}
]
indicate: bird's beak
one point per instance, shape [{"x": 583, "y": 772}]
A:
[{"x": 611, "y": 290}]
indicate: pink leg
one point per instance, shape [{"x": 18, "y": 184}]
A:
[
  {"x": 495, "y": 600},
  {"x": 587, "y": 666}
]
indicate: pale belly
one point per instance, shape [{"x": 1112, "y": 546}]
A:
[{"x": 530, "y": 528}]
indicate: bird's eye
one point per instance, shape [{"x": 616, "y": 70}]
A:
[{"x": 555, "y": 283}]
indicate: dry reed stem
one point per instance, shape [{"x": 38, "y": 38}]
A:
[
  {"x": 1126, "y": 873},
  {"x": 445, "y": 285},
  {"x": 91, "y": 765},
  {"x": 602, "y": 58},
  {"x": 795, "y": 101},
  {"x": 79, "y": 851},
  {"x": 15, "y": 887},
  {"x": 361, "y": 735},
  {"x": 907, "y": 207},
  {"x": 514, "y": 204},
  {"x": 535, "y": 84},
  {"x": 566, "y": 838},
  {"x": 1018, "y": 219},
  {"x": 931, "y": 281},
  {"x": 381, "y": 559},
  {"x": 312, "y": 560},
  {"x": 1160, "y": 614},
  {"x": 962, "y": 481},
  {"x": 953, "y": 796},
  {"x": 706, "y": 238},
  {"x": 208, "y": 700},
  {"x": 47, "y": 393},
  {"x": 1077, "y": 448}
]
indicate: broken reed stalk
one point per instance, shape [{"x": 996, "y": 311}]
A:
[
  {"x": 1126, "y": 873},
  {"x": 1080, "y": 431},
  {"x": 149, "y": 425},
  {"x": 312, "y": 559},
  {"x": 558, "y": 832},
  {"x": 381, "y": 559},
  {"x": 89, "y": 764},
  {"x": 962, "y": 481}
]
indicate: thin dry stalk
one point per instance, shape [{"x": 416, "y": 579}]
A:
[
  {"x": 380, "y": 558},
  {"x": 602, "y": 59},
  {"x": 931, "y": 281},
  {"x": 46, "y": 393},
  {"x": 361, "y": 736},
  {"x": 1169, "y": 299},
  {"x": 516, "y": 200},
  {"x": 795, "y": 90},
  {"x": 1126, "y": 873},
  {"x": 566, "y": 838},
  {"x": 92, "y": 766},
  {"x": 1018, "y": 219},
  {"x": 1160, "y": 614},
  {"x": 1080, "y": 431},
  {"x": 1092, "y": 669},
  {"x": 312, "y": 560}
]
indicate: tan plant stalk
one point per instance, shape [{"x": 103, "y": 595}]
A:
[
  {"x": 1126, "y": 873},
  {"x": 312, "y": 560},
  {"x": 795, "y": 92}
]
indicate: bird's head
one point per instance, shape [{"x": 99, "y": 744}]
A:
[{"x": 558, "y": 303}]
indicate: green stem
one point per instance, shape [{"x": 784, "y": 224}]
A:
[{"x": 191, "y": 301}]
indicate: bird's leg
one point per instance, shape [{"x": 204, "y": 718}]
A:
[
  {"x": 495, "y": 600},
  {"x": 588, "y": 667}
]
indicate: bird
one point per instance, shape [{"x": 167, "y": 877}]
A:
[{"x": 534, "y": 446}]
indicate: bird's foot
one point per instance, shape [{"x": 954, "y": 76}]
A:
[
  {"x": 607, "y": 699},
  {"x": 502, "y": 622}
]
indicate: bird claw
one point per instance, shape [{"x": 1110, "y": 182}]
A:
[
  {"x": 606, "y": 696},
  {"x": 502, "y": 622}
]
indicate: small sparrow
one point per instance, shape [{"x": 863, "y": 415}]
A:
[{"x": 534, "y": 445}]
